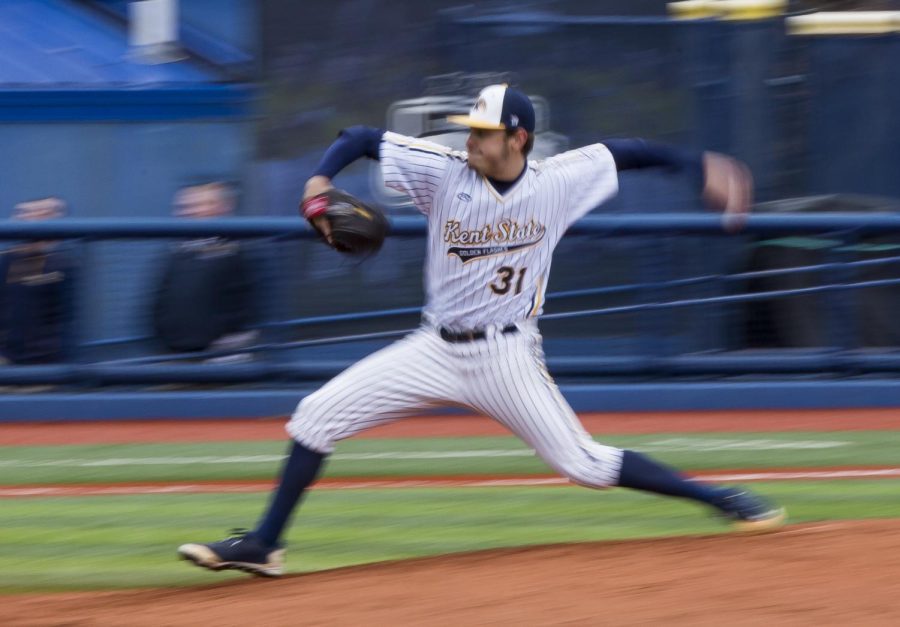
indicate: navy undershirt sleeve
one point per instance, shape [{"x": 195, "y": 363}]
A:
[
  {"x": 353, "y": 143},
  {"x": 631, "y": 154}
]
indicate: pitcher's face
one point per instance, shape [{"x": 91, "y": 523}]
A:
[{"x": 490, "y": 151}]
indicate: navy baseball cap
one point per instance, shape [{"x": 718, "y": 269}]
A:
[{"x": 498, "y": 107}]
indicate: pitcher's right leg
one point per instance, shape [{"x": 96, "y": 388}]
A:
[
  {"x": 403, "y": 379},
  {"x": 400, "y": 380}
]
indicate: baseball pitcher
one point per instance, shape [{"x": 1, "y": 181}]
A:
[{"x": 494, "y": 219}]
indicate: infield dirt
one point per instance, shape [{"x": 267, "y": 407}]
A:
[{"x": 836, "y": 573}]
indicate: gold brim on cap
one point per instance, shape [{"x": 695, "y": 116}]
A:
[{"x": 467, "y": 120}]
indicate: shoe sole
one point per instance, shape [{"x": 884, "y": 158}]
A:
[
  {"x": 201, "y": 556},
  {"x": 763, "y": 525}
]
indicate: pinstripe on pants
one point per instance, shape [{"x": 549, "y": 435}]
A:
[{"x": 502, "y": 376}]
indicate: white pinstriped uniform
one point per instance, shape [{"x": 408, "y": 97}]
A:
[{"x": 487, "y": 266}]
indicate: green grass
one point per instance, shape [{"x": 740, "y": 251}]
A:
[
  {"x": 189, "y": 462},
  {"x": 129, "y": 541}
]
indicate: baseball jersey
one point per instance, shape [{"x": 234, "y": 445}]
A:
[{"x": 489, "y": 254}]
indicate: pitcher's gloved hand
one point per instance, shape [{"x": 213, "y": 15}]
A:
[{"x": 353, "y": 227}]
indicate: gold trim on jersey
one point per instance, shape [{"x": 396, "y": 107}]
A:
[
  {"x": 436, "y": 149},
  {"x": 502, "y": 197},
  {"x": 538, "y": 298}
]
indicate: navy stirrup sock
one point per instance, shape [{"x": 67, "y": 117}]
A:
[
  {"x": 298, "y": 472},
  {"x": 642, "y": 473}
]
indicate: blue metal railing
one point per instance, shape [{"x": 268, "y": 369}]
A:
[
  {"x": 739, "y": 277},
  {"x": 146, "y": 370},
  {"x": 600, "y": 225}
]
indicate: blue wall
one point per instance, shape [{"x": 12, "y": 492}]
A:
[{"x": 118, "y": 168}]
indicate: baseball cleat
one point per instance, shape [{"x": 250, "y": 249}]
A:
[
  {"x": 750, "y": 513},
  {"x": 241, "y": 551}
]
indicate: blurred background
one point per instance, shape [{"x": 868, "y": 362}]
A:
[{"x": 119, "y": 110}]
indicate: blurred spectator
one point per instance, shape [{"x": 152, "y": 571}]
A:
[
  {"x": 204, "y": 299},
  {"x": 36, "y": 297}
]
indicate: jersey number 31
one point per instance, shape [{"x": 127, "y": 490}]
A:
[{"x": 505, "y": 280}]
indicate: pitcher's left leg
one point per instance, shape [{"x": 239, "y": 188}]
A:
[
  {"x": 515, "y": 388},
  {"x": 511, "y": 384}
]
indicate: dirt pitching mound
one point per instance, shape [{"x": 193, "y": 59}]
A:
[{"x": 836, "y": 573}]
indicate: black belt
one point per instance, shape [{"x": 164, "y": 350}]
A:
[{"x": 469, "y": 336}]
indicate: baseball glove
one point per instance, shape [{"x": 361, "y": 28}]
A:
[{"x": 356, "y": 228}]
